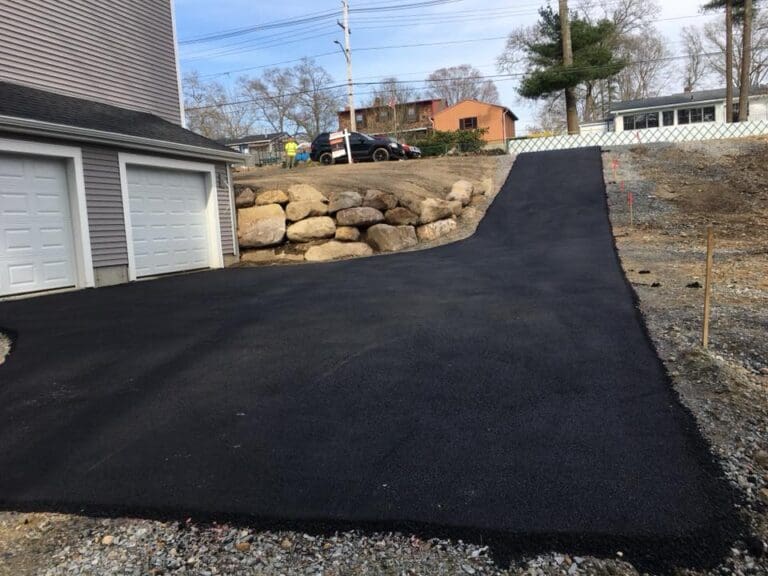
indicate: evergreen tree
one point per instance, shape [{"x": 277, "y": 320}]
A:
[{"x": 593, "y": 55}]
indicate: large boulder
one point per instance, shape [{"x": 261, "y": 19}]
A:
[
  {"x": 412, "y": 202},
  {"x": 435, "y": 209},
  {"x": 312, "y": 229},
  {"x": 434, "y": 230},
  {"x": 359, "y": 217},
  {"x": 380, "y": 200},
  {"x": 347, "y": 234},
  {"x": 260, "y": 226},
  {"x": 486, "y": 186},
  {"x": 270, "y": 256},
  {"x": 334, "y": 250},
  {"x": 461, "y": 191},
  {"x": 305, "y": 193},
  {"x": 456, "y": 206},
  {"x": 245, "y": 198},
  {"x": 429, "y": 209},
  {"x": 401, "y": 217},
  {"x": 344, "y": 200},
  {"x": 271, "y": 197},
  {"x": 296, "y": 211},
  {"x": 386, "y": 238}
]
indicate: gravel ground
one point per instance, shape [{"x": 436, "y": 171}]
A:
[{"x": 725, "y": 387}]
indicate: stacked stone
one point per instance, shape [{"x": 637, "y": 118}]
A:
[{"x": 306, "y": 224}]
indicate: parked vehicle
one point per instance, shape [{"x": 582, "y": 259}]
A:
[
  {"x": 408, "y": 150},
  {"x": 411, "y": 151},
  {"x": 363, "y": 146}
]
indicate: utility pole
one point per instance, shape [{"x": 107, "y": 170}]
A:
[
  {"x": 571, "y": 111},
  {"x": 348, "y": 55}
]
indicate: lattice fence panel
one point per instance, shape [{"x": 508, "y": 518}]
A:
[{"x": 690, "y": 133}]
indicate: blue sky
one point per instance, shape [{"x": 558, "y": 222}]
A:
[{"x": 483, "y": 23}]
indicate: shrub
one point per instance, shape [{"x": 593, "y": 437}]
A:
[{"x": 438, "y": 142}]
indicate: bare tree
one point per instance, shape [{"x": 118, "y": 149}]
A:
[
  {"x": 459, "y": 83},
  {"x": 695, "y": 68},
  {"x": 392, "y": 90},
  {"x": 213, "y": 110},
  {"x": 714, "y": 44},
  {"x": 273, "y": 97},
  {"x": 317, "y": 100}
]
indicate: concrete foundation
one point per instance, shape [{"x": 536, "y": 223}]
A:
[{"x": 110, "y": 275}]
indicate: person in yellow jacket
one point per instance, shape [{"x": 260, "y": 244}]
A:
[{"x": 290, "y": 152}]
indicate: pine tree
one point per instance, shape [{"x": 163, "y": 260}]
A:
[{"x": 593, "y": 56}]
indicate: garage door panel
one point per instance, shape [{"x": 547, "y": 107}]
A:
[
  {"x": 14, "y": 204},
  {"x": 36, "y": 239},
  {"x": 168, "y": 220}
]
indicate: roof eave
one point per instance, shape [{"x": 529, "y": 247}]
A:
[
  {"x": 40, "y": 128},
  {"x": 714, "y": 100}
]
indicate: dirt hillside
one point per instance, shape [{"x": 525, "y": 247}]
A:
[
  {"x": 678, "y": 190},
  {"x": 425, "y": 177}
]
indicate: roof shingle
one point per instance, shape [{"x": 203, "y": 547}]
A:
[{"x": 19, "y": 101}]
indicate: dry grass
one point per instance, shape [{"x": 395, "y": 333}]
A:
[{"x": 428, "y": 177}]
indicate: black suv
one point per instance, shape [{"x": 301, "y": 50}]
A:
[{"x": 363, "y": 147}]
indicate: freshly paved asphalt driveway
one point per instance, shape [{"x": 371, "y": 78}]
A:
[{"x": 500, "y": 388}]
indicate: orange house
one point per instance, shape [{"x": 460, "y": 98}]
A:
[{"x": 499, "y": 121}]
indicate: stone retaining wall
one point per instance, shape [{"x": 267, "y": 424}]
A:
[{"x": 303, "y": 223}]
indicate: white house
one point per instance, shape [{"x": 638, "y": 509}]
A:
[{"x": 686, "y": 108}]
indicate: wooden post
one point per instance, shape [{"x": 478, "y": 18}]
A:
[{"x": 708, "y": 286}]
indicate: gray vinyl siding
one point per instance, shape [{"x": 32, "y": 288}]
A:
[
  {"x": 225, "y": 211},
  {"x": 120, "y": 53},
  {"x": 103, "y": 196}
]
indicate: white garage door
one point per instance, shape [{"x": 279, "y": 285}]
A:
[
  {"x": 36, "y": 241},
  {"x": 168, "y": 220}
]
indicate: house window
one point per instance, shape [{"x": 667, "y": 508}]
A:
[
  {"x": 383, "y": 114},
  {"x": 468, "y": 123},
  {"x": 668, "y": 118},
  {"x": 359, "y": 119},
  {"x": 696, "y": 115},
  {"x": 411, "y": 113},
  {"x": 641, "y": 121}
]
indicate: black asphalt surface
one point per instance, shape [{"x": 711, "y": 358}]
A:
[{"x": 500, "y": 389}]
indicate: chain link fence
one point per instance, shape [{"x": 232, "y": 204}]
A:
[{"x": 690, "y": 133}]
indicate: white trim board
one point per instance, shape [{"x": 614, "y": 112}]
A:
[
  {"x": 215, "y": 256},
  {"x": 77, "y": 202},
  {"x": 233, "y": 213},
  {"x": 50, "y": 129}
]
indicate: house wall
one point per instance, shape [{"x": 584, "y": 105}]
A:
[
  {"x": 758, "y": 110},
  {"x": 488, "y": 116},
  {"x": 120, "y": 53},
  {"x": 103, "y": 195},
  {"x": 510, "y": 128},
  {"x": 373, "y": 124}
]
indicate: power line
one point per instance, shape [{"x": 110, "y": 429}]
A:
[
  {"x": 495, "y": 77},
  {"x": 315, "y": 17}
]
